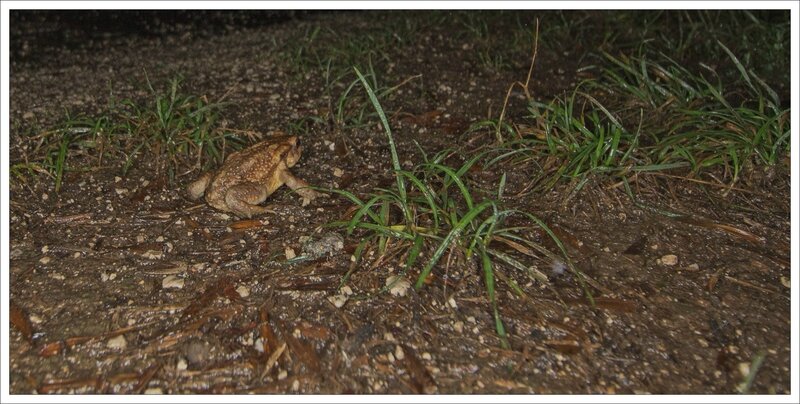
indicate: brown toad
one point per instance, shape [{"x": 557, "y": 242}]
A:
[{"x": 251, "y": 175}]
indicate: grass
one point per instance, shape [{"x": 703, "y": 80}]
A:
[
  {"x": 432, "y": 207},
  {"x": 665, "y": 118},
  {"x": 172, "y": 129}
]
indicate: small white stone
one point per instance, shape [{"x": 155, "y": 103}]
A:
[
  {"x": 338, "y": 172},
  {"x": 154, "y": 390},
  {"x": 458, "y": 326},
  {"x": 172, "y": 281},
  {"x": 296, "y": 385},
  {"x": 388, "y": 336},
  {"x": 117, "y": 179},
  {"x": 45, "y": 249},
  {"x": 398, "y": 353},
  {"x": 744, "y": 369},
  {"x": 153, "y": 254},
  {"x": 140, "y": 238},
  {"x": 338, "y": 300},
  {"x": 57, "y": 276},
  {"x": 283, "y": 374},
  {"x": 669, "y": 259},
  {"x": 117, "y": 342},
  {"x": 243, "y": 291},
  {"x": 346, "y": 290},
  {"x": 181, "y": 365},
  {"x": 45, "y": 260},
  {"x": 160, "y": 239},
  {"x": 400, "y": 287},
  {"x": 452, "y": 303},
  {"x": 426, "y": 356},
  {"x": 77, "y": 254},
  {"x": 289, "y": 253},
  {"x": 35, "y": 319},
  {"x": 247, "y": 340}
]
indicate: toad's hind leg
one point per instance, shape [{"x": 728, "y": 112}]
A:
[
  {"x": 197, "y": 188},
  {"x": 243, "y": 200}
]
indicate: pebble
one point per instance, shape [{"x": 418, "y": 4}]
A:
[
  {"x": 338, "y": 300},
  {"x": 181, "y": 365},
  {"x": 338, "y": 172},
  {"x": 398, "y": 353},
  {"x": 117, "y": 342},
  {"x": 172, "y": 281},
  {"x": 400, "y": 287},
  {"x": 243, "y": 291},
  {"x": 669, "y": 259},
  {"x": 45, "y": 260},
  {"x": 452, "y": 303},
  {"x": 154, "y": 390},
  {"x": 289, "y": 253},
  {"x": 197, "y": 352}
]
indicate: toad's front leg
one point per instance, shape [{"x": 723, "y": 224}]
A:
[
  {"x": 300, "y": 186},
  {"x": 243, "y": 199}
]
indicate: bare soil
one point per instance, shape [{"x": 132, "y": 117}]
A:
[{"x": 92, "y": 266}]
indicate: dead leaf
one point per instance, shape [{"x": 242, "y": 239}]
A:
[
  {"x": 565, "y": 346},
  {"x": 245, "y": 224},
  {"x": 421, "y": 379},
  {"x": 20, "y": 320},
  {"x": 304, "y": 352}
]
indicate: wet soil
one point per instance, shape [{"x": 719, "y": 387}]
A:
[{"x": 120, "y": 284}]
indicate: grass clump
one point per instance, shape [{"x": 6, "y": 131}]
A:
[
  {"x": 432, "y": 206},
  {"x": 665, "y": 118},
  {"x": 170, "y": 128}
]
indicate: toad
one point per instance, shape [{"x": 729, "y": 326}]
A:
[{"x": 251, "y": 175}]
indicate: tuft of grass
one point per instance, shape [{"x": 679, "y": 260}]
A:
[
  {"x": 171, "y": 128},
  {"x": 433, "y": 207},
  {"x": 178, "y": 129},
  {"x": 665, "y": 118}
]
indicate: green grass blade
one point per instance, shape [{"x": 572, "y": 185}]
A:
[
  {"x": 449, "y": 239},
  {"x": 401, "y": 187}
]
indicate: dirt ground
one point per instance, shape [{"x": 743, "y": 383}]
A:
[{"x": 129, "y": 287}]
